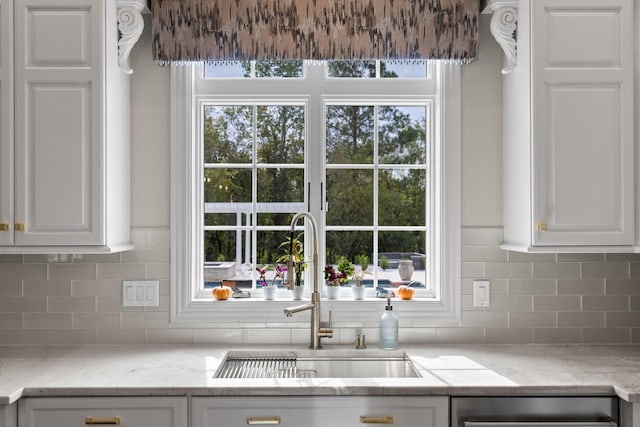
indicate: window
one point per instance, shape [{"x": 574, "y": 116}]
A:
[{"x": 369, "y": 148}]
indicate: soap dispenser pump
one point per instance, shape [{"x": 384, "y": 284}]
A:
[{"x": 388, "y": 328}]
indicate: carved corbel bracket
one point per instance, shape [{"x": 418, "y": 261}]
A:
[
  {"x": 130, "y": 24},
  {"x": 504, "y": 25}
]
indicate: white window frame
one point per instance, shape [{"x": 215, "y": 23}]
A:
[{"x": 187, "y": 304}]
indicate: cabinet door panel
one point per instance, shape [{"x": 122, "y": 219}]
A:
[
  {"x": 6, "y": 123},
  {"x": 59, "y": 131},
  {"x": 320, "y": 411},
  {"x": 126, "y": 412},
  {"x": 583, "y": 134}
]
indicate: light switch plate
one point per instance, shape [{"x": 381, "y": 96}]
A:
[
  {"x": 140, "y": 293},
  {"x": 481, "y": 293}
]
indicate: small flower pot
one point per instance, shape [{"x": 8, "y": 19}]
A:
[
  {"x": 269, "y": 292},
  {"x": 333, "y": 292},
  {"x": 358, "y": 292},
  {"x": 297, "y": 292}
]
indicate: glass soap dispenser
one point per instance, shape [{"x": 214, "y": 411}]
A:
[{"x": 388, "y": 328}]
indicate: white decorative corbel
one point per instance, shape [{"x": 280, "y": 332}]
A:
[
  {"x": 504, "y": 24},
  {"x": 130, "y": 24}
]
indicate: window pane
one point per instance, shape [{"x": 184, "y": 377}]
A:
[
  {"x": 394, "y": 246},
  {"x": 292, "y": 68},
  {"x": 280, "y": 132},
  {"x": 403, "y": 69},
  {"x": 220, "y": 246},
  {"x": 242, "y": 69},
  {"x": 280, "y": 195},
  {"x": 349, "y": 197},
  {"x": 352, "y": 245},
  {"x": 401, "y": 197},
  {"x": 227, "y": 193},
  {"x": 228, "y": 134},
  {"x": 365, "y": 69},
  {"x": 227, "y": 185},
  {"x": 227, "y": 69},
  {"x": 350, "y": 134},
  {"x": 269, "y": 250},
  {"x": 402, "y": 135}
]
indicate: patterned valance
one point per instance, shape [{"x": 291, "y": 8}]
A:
[{"x": 230, "y": 30}]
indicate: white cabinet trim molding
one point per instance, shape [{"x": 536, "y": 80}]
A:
[
  {"x": 504, "y": 24},
  {"x": 130, "y": 24}
]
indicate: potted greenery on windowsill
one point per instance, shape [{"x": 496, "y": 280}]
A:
[
  {"x": 297, "y": 255},
  {"x": 362, "y": 268},
  {"x": 336, "y": 277}
]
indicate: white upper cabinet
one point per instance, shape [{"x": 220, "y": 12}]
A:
[
  {"x": 70, "y": 149},
  {"x": 568, "y": 127}
]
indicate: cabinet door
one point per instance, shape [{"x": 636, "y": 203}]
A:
[
  {"x": 6, "y": 123},
  {"x": 59, "y": 154},
  {"x": 316, "y": 411},
  {"x": 9, "y": 415},
  {"x": 583, "y": 122},
  {"x": 126, "y": 412}
]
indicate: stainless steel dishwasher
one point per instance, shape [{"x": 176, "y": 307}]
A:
[{"x": 589, "y": 411}]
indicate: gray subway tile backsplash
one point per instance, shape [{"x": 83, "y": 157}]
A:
[{"x": 535, "y": 298}]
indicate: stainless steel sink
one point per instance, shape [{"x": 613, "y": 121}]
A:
[{"x": 315, "y": 365}]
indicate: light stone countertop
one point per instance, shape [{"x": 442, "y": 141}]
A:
[{"x": 156, "y": 370}]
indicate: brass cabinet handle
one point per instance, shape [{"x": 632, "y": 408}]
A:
[
  {"x": 102, "y": 420},
  {"x": 541, "y": 226},
  {"x": 376, "y": 420},
  {"x": 263, "y": 420},
  {"x": 4, "y": 226},
  {"x": 19, "y": 226}
]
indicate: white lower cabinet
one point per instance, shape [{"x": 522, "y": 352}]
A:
[
  {"x": 9, "y": 415},
  {"x": 316, "y": 411},
  {"x": 123, "y": 411}
]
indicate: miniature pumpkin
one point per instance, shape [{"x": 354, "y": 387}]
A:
[
  {"x": 406, "y": 292},
  {"x": 222, "y": 292}
]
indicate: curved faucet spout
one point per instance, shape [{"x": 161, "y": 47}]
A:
[{"x": 314, "y": 305}]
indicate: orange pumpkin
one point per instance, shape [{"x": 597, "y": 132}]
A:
[
  {"x": 406, "y": 292},
  {"x": 222, "y": 292}
]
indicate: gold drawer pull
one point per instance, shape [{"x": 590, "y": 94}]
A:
[
  {"x": 101, "y": 420},
  {"x": 4, "y": 226},
  {"x": 541, "y": 226},
  {"x": 263, "y": 420},
  {"x": 376, "y": 420},
  {"x": 19, "y": 226}
]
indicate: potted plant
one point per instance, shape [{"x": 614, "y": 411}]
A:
[
  {"x": 357, "y": 288},
  {"x": 297, "y": 256},
  {"x": 269, "y": 289},
  {"x": 334, "y": 278}
]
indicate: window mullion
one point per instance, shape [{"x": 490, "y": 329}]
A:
[
  {"x": 254, "y": 186},
  {"x": 375, "y": 184}
]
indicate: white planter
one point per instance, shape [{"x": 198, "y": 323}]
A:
[
  {"x": 297, "y": 292},
  {"x": 269, "y": 292},
  {"x": 405, "y": 269},
  {"x": 358, "y": 292},
  {"x": 333, "y": 292}
]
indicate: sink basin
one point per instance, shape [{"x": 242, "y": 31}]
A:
[{"x": 314, "y": 365}]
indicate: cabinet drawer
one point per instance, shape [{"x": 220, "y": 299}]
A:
[
  {"x": 81, "y": 412},
  {"x": 311, "y": 411}
]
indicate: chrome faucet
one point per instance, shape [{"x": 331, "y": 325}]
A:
[{"x": 317, "y": 331}]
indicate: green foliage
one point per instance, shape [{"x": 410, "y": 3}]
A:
[
  {"x": 384, "y": 262},
  {"x": 345, "y": 267},
  {"x": 362, "y": 260}
]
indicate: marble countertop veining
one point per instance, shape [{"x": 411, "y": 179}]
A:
[{"x": 155, "y": 370}]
